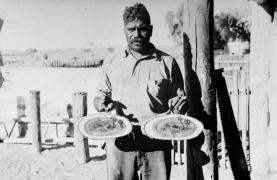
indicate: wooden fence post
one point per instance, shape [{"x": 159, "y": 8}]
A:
[
  {"x": 80, "y": 110},
  {"x": 261, "y": 57},
  {"x": 236, "y": 97},
  {"x": 35, "y": 120}
]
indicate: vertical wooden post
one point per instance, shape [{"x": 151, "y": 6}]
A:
[
  {"x": 80, "y": 110},
  {"x": 272, "y": 135},
  {"x": 248, "y": 127},
  {"x": 35, "y": 120},
  {"x": 183, "y": 146},
  {"x": 184, "y": 157},
  {"x": 172, "y": 153},
  {"x": 236, "y": 96},
  {"x": 179, "y": 154},
  {"x": 263, "y": 137},
  {"x": 245, "y": 118},
  {"x": 259, "y": 80},
  {"x": 199, "y": 66}
]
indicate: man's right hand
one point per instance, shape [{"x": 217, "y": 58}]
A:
[
  {"x": 103, "y": 104},
  {"x": 178, "y": 104}
]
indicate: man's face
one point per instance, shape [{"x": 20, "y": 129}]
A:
[{"x": 137, "y": 34}]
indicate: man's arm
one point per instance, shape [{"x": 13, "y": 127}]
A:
[
  {"x": 102, "y": 101},
  {"x": 178, "y": 99}
]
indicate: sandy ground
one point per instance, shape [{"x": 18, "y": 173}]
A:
[
  {"x": 56, "y": 86},
  {"x": 17, "y": 161},
  {"x": 61, "y": 163}
]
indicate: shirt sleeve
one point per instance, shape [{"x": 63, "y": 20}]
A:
[
  {"x": 104, "y": 87},
  {"x": 177, "y": 82}
]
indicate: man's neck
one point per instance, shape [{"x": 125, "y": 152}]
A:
[{"x": 141, "y": 54}]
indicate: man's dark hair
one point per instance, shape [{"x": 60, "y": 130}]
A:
[{"x": 136, "y": 11}]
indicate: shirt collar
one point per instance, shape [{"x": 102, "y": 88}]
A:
[{"x": 154, "y": 53}]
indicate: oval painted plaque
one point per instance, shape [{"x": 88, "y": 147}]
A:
[
  {"x": 104, "y": 126},
  {"x": 172, "y": 127}
]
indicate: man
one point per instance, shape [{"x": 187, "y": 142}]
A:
[{"x": 139, "y": 82}]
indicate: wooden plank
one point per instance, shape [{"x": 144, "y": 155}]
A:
[
  {"x": 199, "y": 65},
  {"x": 65, "y": 140},
  {"x": 260, "y": 56},
  {"x": 44, "y": 141},
  {"x": 184, "y": 155},
  {"x": 5, "y": 128},
  {"x": 18, "y": 140},
  {"x": 245, "y": 118},
  {"x": 175, "y": 150},
  {"x": 35, "y": 118},
  {"x": 236, "y": 106},
  {"x": 248, "y": 128},
  {"x": 48, "y": 120},
  {"x": 178, "y": 153},
  {"x": 172, "y": 153},
  {"x": 80, "y": 110}
]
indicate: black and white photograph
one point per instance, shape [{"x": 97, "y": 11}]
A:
[{"x": 138, "y": 89}]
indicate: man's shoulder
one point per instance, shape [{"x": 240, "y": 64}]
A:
[
  {"x": 167, "y": 58},
  {"x": 118, "y": 53}
]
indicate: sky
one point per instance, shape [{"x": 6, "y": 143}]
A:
[{"x": 63, "y": 24}]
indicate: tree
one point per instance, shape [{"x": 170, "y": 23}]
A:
[
  {"x": 228, "y": 26},
  {"x": 231, "y": 27},
  {"x": 174, "y": 21}
]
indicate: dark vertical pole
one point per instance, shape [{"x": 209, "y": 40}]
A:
[
  {"x": 199, "y": 66},
  {"x": 80, "y": 110},
  {"x": 35, "y": 120}
]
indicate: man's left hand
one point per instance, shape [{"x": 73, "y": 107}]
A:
[{"x": 178, "y": 104}]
